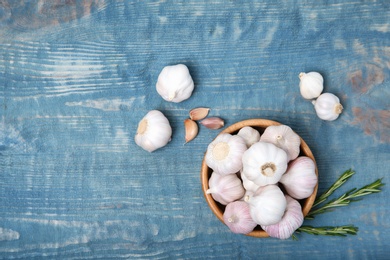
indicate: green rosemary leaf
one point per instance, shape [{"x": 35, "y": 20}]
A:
[{"x": 329, "y": 231}]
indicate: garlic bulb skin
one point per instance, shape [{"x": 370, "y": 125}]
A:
[
  {"x": 264, "y": 163},
  {"x": 248, "y": 184},
  {"x": 154, "y": 131},
  {"x": 224, "y": 154},
  {"x": 328, "y": 106},
  {"x": 250, "y": 135},
  {"x": 175, "y": 84},
  {"x": 283, "y": 137},
  {"x": 291, "y": 221},
  {"x": 238, "y": 218},
  {"x": 225, "y": 188},
  {"x": 311, "y": 84},
  {"x": 267, "y": 205},
  {"x": 300, "y": 178}
]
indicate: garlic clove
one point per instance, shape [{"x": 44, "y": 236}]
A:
[
  {"x": 264, "y": 163},
  {"x": 154, "y": 131},
  {"x": 199, "y": 113},
  {"x": 191, "y": 130},
  {"x": 224, "y": 154},
  {"x": 213, "y": 123},
  {"x": 300, "y": 178},
  {"x": 292, "y": 219},
  {"x": 267, "y": 205},
  {"x": 250, "y": 135},
  {"x": 237, "y": 217},
  {"x": 328, "y": 106},
  {"x": 175, "y": 84},
  {"x": 311, "y": 84},
  {"x": 283, "y": 137},
  {"x": 225, "y": 188}
]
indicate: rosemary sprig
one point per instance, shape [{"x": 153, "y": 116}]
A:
[
  {"x": 348, "y": 197},
  {"x": 329, "y": 231}
]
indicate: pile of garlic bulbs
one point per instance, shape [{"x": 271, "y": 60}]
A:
[
  {"x": 260, "y": 178},
  {"x": 326, "y": 105}
]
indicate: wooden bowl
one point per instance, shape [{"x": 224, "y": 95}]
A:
[{"x": 260, "y": 125}]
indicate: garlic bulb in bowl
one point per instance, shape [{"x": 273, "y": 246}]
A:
[
  {"x": 175, "y": 84},
  {"x": 218, "y": 209},
  {"x": 154, "y": 131}
]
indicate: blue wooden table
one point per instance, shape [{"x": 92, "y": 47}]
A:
[{"x": 76, "y": 77}]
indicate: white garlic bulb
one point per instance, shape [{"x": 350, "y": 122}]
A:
[
  {"x": 291, "y": 221},
  {"x": 224, "y": 154},
  {"x": 174, "y": 84},
  {"x": 283, "y": 137},
  {"x": 250, "y": 135},
  {"x": 225, "y": 188},
  {"x": 267, "y": 205},
  {"x": 311, "y": 84},
  {"x": 238, "y": 218},
  {"x": 328, "y": 106},
  {"x": 248, "y": 184},
  {"x": 154, "y": 131},
  {"x": 264, "y": 163},
  {"x": 300, "y": 178}
]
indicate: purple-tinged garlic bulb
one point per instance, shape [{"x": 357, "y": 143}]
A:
[
  {"x": 225, "y": 188},
  {"x": 238, "y": 218}
]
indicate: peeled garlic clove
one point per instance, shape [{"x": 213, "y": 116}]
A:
[
  {"x": 213, "y": 123},
  {"x": 250, "y": 135},
  {"x": 174, "y": 84},
  {"x": 224, "y": 153},
  {"x": 154, "y": 131},
  {"x": 264, "y": 163},
  {"x": 283, "y": 137},
  {"x": 267, "y": 205},
  {"x": 328, "y": 106},
  {"x": 199, "y": 113},
  {"x": 291, "y": 221},
  {"x": 191, "y": 129},
  {"x": 311, "y": 84},
  {"x": 300, "y": 178},
  {"x": 237, "y": 217},
  {"x": 225, "y": 188}
]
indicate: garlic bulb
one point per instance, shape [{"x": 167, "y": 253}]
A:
[
  {"x": 191, "y": 129},
  {"x": 248, "y": 184},
  {"x": 174, "y": 83},
  {"x": 238, "y": 218},
  {"x": 264, "y": 163},
  {"x": 154, "y": 131},
  {"x": 267, "y": 205},
  {"x": 328, "y": 106},
  {"x": 225, "y": 188},
  {"x": 250, "y": 135},
  {"x": 311, "y": 84},
  {"x": 283, "y": 137},
  {"x": 300, "y": 178},
  {"x": 224, "y": 154},
  {"x": 291, "y": 221}
]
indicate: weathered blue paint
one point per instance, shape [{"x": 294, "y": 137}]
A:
[{"x": 77, "y": 76}]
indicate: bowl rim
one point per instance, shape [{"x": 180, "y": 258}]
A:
[{"x": 259, "y": 123}]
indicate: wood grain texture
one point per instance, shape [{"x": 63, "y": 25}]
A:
[{"x": 76, "y": 77}]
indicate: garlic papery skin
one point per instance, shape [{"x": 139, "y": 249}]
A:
[
  {"x": 213, "y": 123},
  {"x": 328, "y": 106},
  {"x": 300, "y": 178},
  {"x": 267, "y": 205},
  {"x": 154, "y": 131},
  {"x": 311, "y": 84},
  {"x": 264, "y": 163},
  {"x": 250, "y": 135},
  {"x": 238, "y": 218},
  {"x": 175, "y": 84},
  {"x": 199, "y": 113},
  {"x": 225, "y": 188},
  {"x": 291, "y": 221},
  {"x": 191, "y": 130},
  {"x": 224, "y": 154},
  {"x": 283, "y": 137}
]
